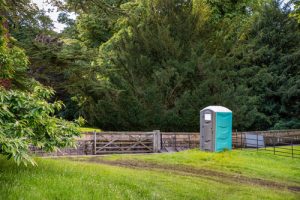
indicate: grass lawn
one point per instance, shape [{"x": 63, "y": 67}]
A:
[
  {"x": 261, "y": 164},
  {"x": 88, "y": 129},
  {"x": 68, "y": 179}
]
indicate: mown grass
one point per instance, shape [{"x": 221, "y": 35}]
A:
[
  {"x": 63, "y": 179},
  {"x": 252, "y": 163},
  {"x": 88, "y": 129}
]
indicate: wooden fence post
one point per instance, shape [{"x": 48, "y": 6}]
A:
[
  {"x": 256, "y": 141},
  {"x": 292, "y": 148},
  {"x": 156, "y": 141},
  {"x": 95, "y": 142}
]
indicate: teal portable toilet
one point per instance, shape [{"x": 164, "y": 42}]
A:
[{"x": 215, "y": 128}]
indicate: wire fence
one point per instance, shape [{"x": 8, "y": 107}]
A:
[{"x": 287, "y": 146}]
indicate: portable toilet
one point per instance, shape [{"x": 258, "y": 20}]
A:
[{"x": 215, "y": 128}]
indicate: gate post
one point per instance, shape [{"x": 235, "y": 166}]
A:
[
  {"x": 95, "y": 140},
  {"x": 156, "y": 141}
]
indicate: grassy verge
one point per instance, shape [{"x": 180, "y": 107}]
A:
[
  {"x": 87, "y": 129},
  {"x": 65, "y": 179},
  {"x": 246, "y": 162}
]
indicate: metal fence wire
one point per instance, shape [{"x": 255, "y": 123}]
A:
[{"x": 287, "y": 146}]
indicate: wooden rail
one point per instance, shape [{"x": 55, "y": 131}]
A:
[
  {"x": 94, "y": 143},
  {"x": 124, "y": 142}
]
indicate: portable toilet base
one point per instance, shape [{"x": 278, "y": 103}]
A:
[{"x": 215, "y": 128}]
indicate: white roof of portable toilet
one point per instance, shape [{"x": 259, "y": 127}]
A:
[{"x": 217, "y": 109}]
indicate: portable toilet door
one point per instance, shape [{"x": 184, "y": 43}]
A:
[
  {"x": 207, "y": 122},
  {"x": 215, "y": 128}
]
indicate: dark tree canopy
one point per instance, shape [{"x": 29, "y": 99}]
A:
[{"x": 153, "y": 64}]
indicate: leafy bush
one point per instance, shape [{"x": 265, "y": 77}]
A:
[{"x": 27, "y": 118}]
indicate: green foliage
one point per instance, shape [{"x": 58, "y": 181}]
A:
[
  {"x": 170, "y": 58},
  {"x": 151, "y": 59},
  {"x": 268, "y": 63},
  {"x": 13, "y": 63},
  {"x": 26, "y": 117},
  {"x": 136, "y": 65},
  {"x": 296, "y": 11}
]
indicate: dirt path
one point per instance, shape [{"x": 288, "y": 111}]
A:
[{"x": 193, "y": 172}]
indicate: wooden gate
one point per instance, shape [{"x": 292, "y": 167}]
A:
[{"x": 124, "y": 142}]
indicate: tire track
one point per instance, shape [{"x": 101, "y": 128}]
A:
[{"x": 185, "y": 170}]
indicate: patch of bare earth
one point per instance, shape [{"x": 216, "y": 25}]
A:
[{"x": 191, "y": 171}]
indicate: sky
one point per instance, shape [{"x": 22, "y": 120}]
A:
[{"x": 42, "y": 4}]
